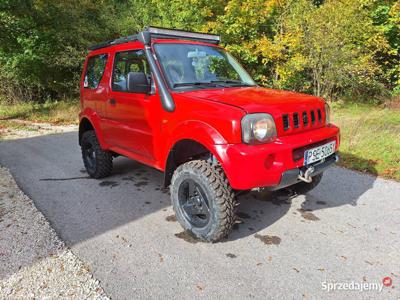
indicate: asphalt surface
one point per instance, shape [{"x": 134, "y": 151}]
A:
[{"x": 345, "y": 231}]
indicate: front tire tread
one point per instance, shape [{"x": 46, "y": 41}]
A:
[{"x": 224, "y": 199}]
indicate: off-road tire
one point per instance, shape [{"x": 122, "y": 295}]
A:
[
  {"x": 304, "y": 187},
  {"x": 102, "y": 164},
  {"x": 220, "y": 196}
]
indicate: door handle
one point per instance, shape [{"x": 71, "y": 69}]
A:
[{"x": 112, "y": 101}]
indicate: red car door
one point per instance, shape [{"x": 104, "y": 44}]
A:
[{"x": 130, "y": 115}]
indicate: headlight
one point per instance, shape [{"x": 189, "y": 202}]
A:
[
  {"x": 258, "y": 128},
  {"x": 327, "y": 114}
]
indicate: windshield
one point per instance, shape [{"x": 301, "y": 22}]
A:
[{"x": 190, "y": 65}]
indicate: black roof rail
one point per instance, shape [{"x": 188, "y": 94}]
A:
[
  {"x": 122, "y": 40},
  {"x": 163, "y": 33}
]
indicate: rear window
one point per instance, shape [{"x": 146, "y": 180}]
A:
[{"x": 94, "y": 71}]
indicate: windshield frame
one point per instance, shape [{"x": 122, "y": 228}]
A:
[{"x": 207, "y": 85}]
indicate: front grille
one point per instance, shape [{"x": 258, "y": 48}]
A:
[
  {"x": 312, "y": 117},
  {"x": 296, "y": 120},
  {"x": 286, "y": 123},
  {"x": 307, "y": 119}
]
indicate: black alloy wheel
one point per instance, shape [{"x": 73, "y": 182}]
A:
[{"x": 194, "y": 203}]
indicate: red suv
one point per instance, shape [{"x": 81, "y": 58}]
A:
[{"x": 178, "y": 102}]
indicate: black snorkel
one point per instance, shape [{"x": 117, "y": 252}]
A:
[{"x": 166, "y": 99}]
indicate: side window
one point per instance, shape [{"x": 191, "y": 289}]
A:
[
  {"x": 125, "y": 62},
  {"x": 94, "y": 71}
]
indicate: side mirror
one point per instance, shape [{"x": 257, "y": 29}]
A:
[{"x": 138, "y": 83}]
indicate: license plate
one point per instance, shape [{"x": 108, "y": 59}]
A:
[{"x": 319, "y": 153}]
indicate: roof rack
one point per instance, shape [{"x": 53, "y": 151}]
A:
[
  {"x": 158, "y": 32},
  {"x": 163, "y": 33}
]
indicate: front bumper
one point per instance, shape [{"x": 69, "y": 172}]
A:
[
  {"x": 256, "y": 166},
  {"x": 291, "y": 177}
]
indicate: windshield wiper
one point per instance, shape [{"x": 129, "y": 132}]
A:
[
  {"x": 223, "y": 83},
  {"x": 232, "y": 81},
  {"x": 197, "y": 83}
]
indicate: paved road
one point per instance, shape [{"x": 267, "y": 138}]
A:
[{"x": 347, "y": 230}]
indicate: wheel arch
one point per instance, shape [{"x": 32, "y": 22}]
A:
[
  {"x": 183, "y": 151},
  {"x": 89, "y": 120},
  {"x": 84, "y": 125}
]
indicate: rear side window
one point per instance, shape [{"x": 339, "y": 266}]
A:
[
  {"x": 125, "y": 62},
  {"x": 94, "y": 71}
]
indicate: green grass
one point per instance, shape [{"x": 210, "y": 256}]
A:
[
  {"x": 57, "y": 112},
  {"x": 370, "y": 135},
  {"x": 370, "y": 138}
]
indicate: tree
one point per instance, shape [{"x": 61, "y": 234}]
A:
[
  {"x": 246, "y": 27},
  {"x": 193, "y": 15},
  {"x": 340, "y": 43},
  {"x": 386, "y": 17},
  {"x": 43, "y": 44},
  {"x": 328, "y": 48}
]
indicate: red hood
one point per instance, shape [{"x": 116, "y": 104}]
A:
[{"x": 257, "y": 99}]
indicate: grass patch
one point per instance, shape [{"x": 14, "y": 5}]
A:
[
  {"x": 370, "y": 138},
  {"x": 56, "y": 112}
]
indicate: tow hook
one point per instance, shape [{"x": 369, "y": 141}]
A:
[{"x": 305, "y": 176}]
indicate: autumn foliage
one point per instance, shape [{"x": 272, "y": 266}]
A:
[{"x": 347, "y": 49}]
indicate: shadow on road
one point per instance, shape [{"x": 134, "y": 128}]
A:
[
  {"x": 338, "y": 187},
  {"x": 50, "y": 170}
]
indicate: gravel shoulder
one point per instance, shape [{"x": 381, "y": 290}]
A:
[
  {"x": 18, "y": 129},
  {"x": 34, "y": 262}
]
